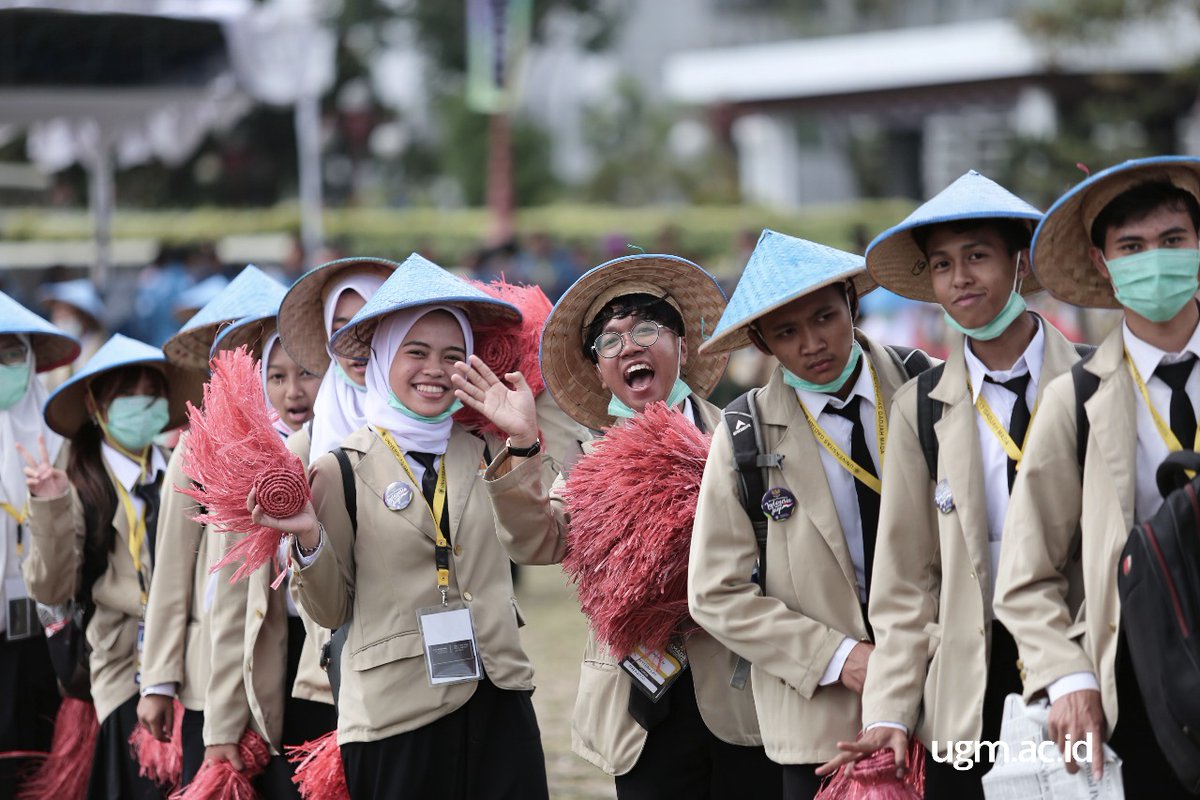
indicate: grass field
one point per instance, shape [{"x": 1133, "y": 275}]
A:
[{"x": 554, "y": 638}]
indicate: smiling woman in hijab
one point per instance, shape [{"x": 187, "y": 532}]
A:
[{"x": 435, "y": 691}]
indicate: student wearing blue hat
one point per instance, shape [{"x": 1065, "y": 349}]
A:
[
  {"x": 821, "y": 425},
  {"x": 619, "y": 339},
  {"x": 28, "y": 345},
  {"x": 434, "y": 699},
  {"x": 958, "y": 430},
  {"x": 176, "y": 656},
  {"x": 93, "y": 527},
  {"x": 1125, "y": 238},
  {"x": 75, "y": 308}
]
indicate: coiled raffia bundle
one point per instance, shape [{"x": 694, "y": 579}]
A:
[
  {"x": 632, "y": 502},
  {"x": 230, "y": 448},
  {"x": 161, "y": 762},
  {"x": 319, "y": 773},
  {"x": 218, "y": 780},
  {"x": 874, "y": 778},
  {"x": 282, "y": 492},
  {"x": 63, "y": 774}
]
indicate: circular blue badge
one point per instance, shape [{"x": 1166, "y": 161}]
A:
[{"x": 778, "y": 503}]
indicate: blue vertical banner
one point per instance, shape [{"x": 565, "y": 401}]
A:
[{"x": 498, "y": 34}]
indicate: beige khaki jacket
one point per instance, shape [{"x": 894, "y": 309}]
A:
[
  {"x": 386, "y": 571},
  {"x": 176, "y": 647},
  {"x": 1050, "y": 506},
  {"x": 533, "y": 526},
  {"x": 53, "y": 572},
  {"x": 811, "y": 601},
  {"x": 930, "y": 606}
]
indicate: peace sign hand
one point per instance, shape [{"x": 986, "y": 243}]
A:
[
  {"x": 511, "y": 410},
  {"x": 42, "y": 477}
]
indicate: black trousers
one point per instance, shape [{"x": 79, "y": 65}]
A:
[
  {"x": 192, "y": 734},
  {"x": 114, "y": 770},
  {"x": 490, "y": 749},
  {"x": 30, "y": 703},
  {"x": 682, "y": 758},
  {"x": 942, "y": 780}
]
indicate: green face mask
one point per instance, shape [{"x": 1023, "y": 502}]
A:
[
  {"x": 341, "y": 373},
  {"x": 679, "y": 391},
  {"x": 134, "y": 420},
  {"x": 1156, "y": 284},
  {"x": 395, "y": 403},
  {"x": 796, "y": 382},
  {"x": 1014, "y": 308},
  {"x": 14, "y": 380}
]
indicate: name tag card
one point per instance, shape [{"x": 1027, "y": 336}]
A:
[
  {"x": 22, "y": 612},
  {"x": 654, "y": 671},
  {"x": 448, "y": 635}
]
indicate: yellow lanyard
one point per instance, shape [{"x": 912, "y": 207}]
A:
[
  {"x": 20, "y": 517},
  {"x": 137, "y": 535},
  {"x": 435, "y": 510},
  {"x": 1164, "y": 430},
  {"x": 1001, "y": 433},
  {"x": 862, "y": 475}
]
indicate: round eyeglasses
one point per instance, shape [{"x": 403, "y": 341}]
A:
[{"x": 610, "y": 344}]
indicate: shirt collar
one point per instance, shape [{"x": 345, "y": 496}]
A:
[
  {"x": 689, "y": 409},
  {"x": 126, "y": 470},
  {"x": 1146, "y": 357},
  {"x": 1029, "y": 362},
  {"x": 864, "y": 387}
]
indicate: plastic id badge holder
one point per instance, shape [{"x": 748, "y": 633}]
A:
[
  {"x": 448, "y": 638},
  {"x": 22, "y": 612}
]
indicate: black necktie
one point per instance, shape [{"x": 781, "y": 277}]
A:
[
  {"x": 1183, "y": 416},
  {"x": 868, "y": 498},
  {"x": 429, "y": 484},
  {"x": 1018, "y": 424},
  {"x": 150, "y": 494}
]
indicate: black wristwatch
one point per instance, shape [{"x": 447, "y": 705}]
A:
[{"x": 525, "y": 452}]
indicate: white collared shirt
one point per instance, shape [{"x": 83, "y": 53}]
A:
[
  {"x": 129, "y": 473},
  {"x": 1002, "y": 402}
]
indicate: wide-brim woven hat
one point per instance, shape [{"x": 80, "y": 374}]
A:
[
  {"x": 80, "y": 294},
  {"x": 249, "y": 331},
  {"x": 897, "y": 264},
  {"x": 1063, "y": 240},
  {"x": 251, "y": 294},
  {"x": 66, "y": 412},
  {"x": 419, "y": 282},
  {"x": 302, "y": 313},
  {"x": 51, "y": 347},
  {"x": 781, "y": 269},
  {"x": 197, "y": 296},
  {"x": 570, "y": 375}
]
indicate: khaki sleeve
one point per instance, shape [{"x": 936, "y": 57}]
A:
[
  {"x": 561, "y": 435},
  {"x": 907, "y": 579},
  {"x": 226, "y": 706},
  {"x": 54, "y": 559},
  {"x": 169, "y": 608},
  {"x": 726, "y": 602},
  {"x": 325, "y": 588},
  {"x": 531, "y": 523},
  {"x": 1041, "y": 530}
]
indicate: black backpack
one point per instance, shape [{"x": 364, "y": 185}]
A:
[{"x": 1158, "y": 581}]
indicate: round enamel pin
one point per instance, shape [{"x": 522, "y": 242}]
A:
[
  {"x": 942, "y": 496},
  {"x": 397, "y": 496},
  {"x": 778, "y": 503}
]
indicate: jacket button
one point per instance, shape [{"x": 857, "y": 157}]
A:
[
  {"x": 458, "y": 549},
  {"x": 1112, "y": 626},
  {"x": 1020, "y": 665},
  {"x": 258, "y": 613},
  {"x": 972, "y": 576},
  {"x": 467, "y": 596},
  {"x": 982, "y": 633}
]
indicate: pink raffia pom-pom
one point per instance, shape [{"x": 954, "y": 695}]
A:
[
  {"x": 510, "y": 348},
  {"x": 161, "y": 762},
  {"x": 218, "y": 780},
  {"x": 632, "y": 501},
  {"x": 231, "y": 446},
  {"x": 282, "y": 493},
  {"x": 319, "y": 774},
  {"x": 64, "y": 773},
  {"x": 874, "y": 778}
]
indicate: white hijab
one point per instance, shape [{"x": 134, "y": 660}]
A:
[
  {"x": 23, "y": 423},
  {"x": 340, "y": 407},
  {"x": 410, "y": 434},
  {"x": 276, "y": 417}
]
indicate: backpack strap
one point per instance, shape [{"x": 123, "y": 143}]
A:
[
  {"x": 348, "y": 486},
  {"x": 1086, "y": 385},
  {"x": 929, "y": 411},
  {"x": 911, "y": 360},
  {"x": 331, "y": 653}
]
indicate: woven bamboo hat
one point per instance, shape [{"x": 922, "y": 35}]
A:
[
  {"x": 302, "y": 313},
  {"x": 1062, "y": 242},
  {"x": 249, "y": 331},
  {"x": 897, "y": 264},
  {"x": 251, "y": 293},
  {"x": 66, "y": 411},
  {"x": 781, "y": 269},
  {"x": 197, "y": 296},
  {"x": 572, "y": 378},
  {"x": 80, "y": 294},
  {"x": 418, "y": 282},
  {"x": 51, "y": 347}
]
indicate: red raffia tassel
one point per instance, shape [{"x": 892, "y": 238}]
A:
[
  {"x": 64, "y": 774},
  {"x": 161, "y": 762},
  {"x": 874, "y": 778},
  {"x": 218, "y": 780},
  {"x": 510, "y": 348},
  {"x": 232, "y": 448},
  {"x": 319, "y": 772},
  {"x": 632, "y": 502}
]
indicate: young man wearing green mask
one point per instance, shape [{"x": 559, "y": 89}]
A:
[
  {"x": 942, "y": 667},
  {"x": 1125, "y": 238},
  {"x": 822, "y": 418}
]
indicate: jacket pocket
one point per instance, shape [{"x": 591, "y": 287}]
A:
[{"x": 385, "y": 651}]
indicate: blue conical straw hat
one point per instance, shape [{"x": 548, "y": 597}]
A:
[
  {"x": 897, "y": 264},
  {"x": 196, "y": 297},
  {"x": 781, "y": 269},
  {"x": 251, "y": 293},
  {"x": 249, "y": 331},
  {"x": 66, "y": 411},
  {"x": 80, "y": 294},
  {"x": 51, "y": 347}
]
